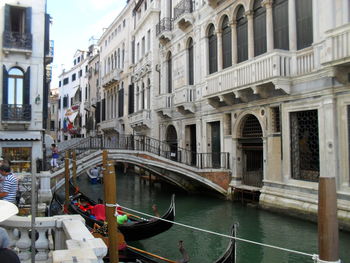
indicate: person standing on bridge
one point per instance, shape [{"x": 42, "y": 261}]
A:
[{"x": 54, "y": 156}]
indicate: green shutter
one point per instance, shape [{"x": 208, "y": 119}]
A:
[
  {"x": 7, "y": 18},
  {"x": 5, "y": 81},
  {"x": 28, "y": 26},
  {"x": 26, "y": 87}
]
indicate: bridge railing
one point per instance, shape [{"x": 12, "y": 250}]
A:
[{"x": 212, "y": 160}]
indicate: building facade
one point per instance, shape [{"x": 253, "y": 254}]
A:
[{"x": 26, "y": 54}]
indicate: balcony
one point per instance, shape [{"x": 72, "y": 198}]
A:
[
  {"x": 16, "y": 113},
  {"x": 109, "y": 124},
  {"x": 183, "y": 14},
  {"x": 262, "y": 77},
  {"x": 50, "y": 53},
  {"x": 17, "y": 42},
  {"x": 163, "y": 30},
  {"x": 165, "y": 105},
  {"x": 336, "y": 49},
  {"x": 184, "y": 99},
  {"x": 112, "y": 77},
  {"x": 141, "y": 120}
]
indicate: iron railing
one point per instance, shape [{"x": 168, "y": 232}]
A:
[
  {"x": 16, "y": 112},
  {"x": 184, "y": 6},
  {"x": 17, "y": 40},
  {"x": 165, "y": 24},
  {"x": 216, "y": 160}
]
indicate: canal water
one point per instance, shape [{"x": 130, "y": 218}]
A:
[{"x": 210, "y": 213}]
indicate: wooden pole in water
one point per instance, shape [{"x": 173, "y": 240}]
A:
[
  {"x": 328, "y": 233},
  {"x": 110, "y": 195},
  {"x": 66, "y": 180},
  {"x": 75, "y": 169}
]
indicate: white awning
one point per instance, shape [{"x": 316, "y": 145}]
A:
[
  {"x": 20, "y": 136},
  {"x": 72, "y": 116}
]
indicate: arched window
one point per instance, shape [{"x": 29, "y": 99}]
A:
[
  {"x": 15, "y": 86},
  {"x": 259, "y": 28},
  {"x": 226, "y": 43},
  {"x": 115, "y": 58},
  {"x": 169, "y": 73},
  {"x": 148, "y": 93},
  {"x": 280, "y": 24},
  {"x": 304, "y": 23},
  {"x": 190, "y": 62},
  {"x": 213, "y": 50},
  {"x": 143, "y": 96},
  {"x": 242, "y": 35}
]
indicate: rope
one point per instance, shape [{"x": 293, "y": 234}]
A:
[{"x": 313, "y": 256}]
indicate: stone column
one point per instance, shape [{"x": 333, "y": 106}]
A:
[
  {"x": 292, "y": 20},
  {"x": 249, "y": 15},
  {"x": 219, "y": 50},
  {"x": 234, "y": 42},
  {"x": 269, "y": 24}
]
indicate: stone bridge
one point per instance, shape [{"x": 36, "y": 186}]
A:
[{"x": 188, "y": 177}]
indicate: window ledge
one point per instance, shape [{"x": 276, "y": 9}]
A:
[{"x": 7, "y": 51}]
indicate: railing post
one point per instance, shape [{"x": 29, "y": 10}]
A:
[{"x": 74, "y": 168}]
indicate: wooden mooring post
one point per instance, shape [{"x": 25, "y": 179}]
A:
[
  {"x": 328, "y": 233},
  {"x": 66, "y": 180},
  {"x": 74, "y": 155},
  {"x": 110, "y": 196}
]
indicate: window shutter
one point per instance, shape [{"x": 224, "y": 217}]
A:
[
  {"x": 280, "y": 25},
  {"x": 26, "y": 87},
  {"x": 5, "y": 80},
  {"x": 103, "y": 109},
  {"x": 304, "y": 23},
  {"x": 190, "y": 63},
  {"x": 47, "y": 33},
  {"x": 7, "y": 18},
  {"x": 242, "y": 36},
  {"x": 131, "y": 99},
  {"x": 226, "y": 44},
  {"x": 28, "y": 28},
  {"x": 98, "y": 112},
  {"x": 259, "y": 28}
]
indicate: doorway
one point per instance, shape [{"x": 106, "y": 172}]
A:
[
  {"x": 215, "y": 144},
  {"x": 171, "y": 140}
]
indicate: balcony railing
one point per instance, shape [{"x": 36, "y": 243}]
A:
[
  {"x": 111, "y": 77},
  {"x": 17, "y": 40},
  {"x": 185, "y": 94},
  {"x": 166, "y": 24},
  {"x": 141, "y": 117},
  {"x": 183, "y": 7},
  {"x": 16, "y": 112}
]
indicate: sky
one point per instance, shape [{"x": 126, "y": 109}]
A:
[{"x": 74, "y": 23}]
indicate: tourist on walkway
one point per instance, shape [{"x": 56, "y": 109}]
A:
[
  {"x": 10, "y": 185},
  {"x": 54, "y": 156},
  {"x": 7, "y": 255}
]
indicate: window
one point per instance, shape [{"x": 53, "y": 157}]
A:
[
  {"x": 133, "y": 51},
  {"x": 226, "y": 44},
  {"x": 17, "y": 33},
  {"x": 143, "y": 48},
  {"x": 123, "y": 55},
  {"x": 242, "y": 35},
  {"x": 65, "y": 81},
  {"x": 145, "y": 5},
  {"x": 138, "y": 51},
  {"x": 78, "y": 59},
  {"x": 52, "y": 125},
  {"x": 280, "y": 24},
  {"x": 124, "y": 23},
  {"x": 80, "y": 73},
  {"x": 20, "y": 157},
  {"x": 59, "y": 84},
  {"x": 131, "y": 99},
  {"x": 190, "y": 62},
  {"x": 304, "y": 145},
  {"x": 259, "y": 28},
  {"x": 169, "y": 73},
  {"x": 121, "y": 101},
  {"x": 149, "y": 40},
  {"x": 213, "y": 50},
  {"x": 304, "y": 23},
  {"x": 142, "y": 106},
  {"x": 73, "y": 77}
]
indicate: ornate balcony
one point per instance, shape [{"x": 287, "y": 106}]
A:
[
  {"x": 183, "y": 14},
  {"x": 141, "y": 120},
  {"x": 16, "y": 112},
  {"x": 112, "y": 77},
  {"x": 163, "y": 30},
  {"x": 17, "y": 42},
  {"x": 50, "y": 53},
  {"x": 336, "y": 49},
  {"x": 165, "y": 105},
  {"x": 262, "y": 77},
  {"x": 184, "y": 99}
]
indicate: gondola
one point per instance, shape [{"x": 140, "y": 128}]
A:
[
  {"x": 229, "y": 256},
  {"x": 139, "y": 229},
  {"x": 92, "y": 178}
]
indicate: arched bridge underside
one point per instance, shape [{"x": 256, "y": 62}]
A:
[{"x": 189, "y": 178}]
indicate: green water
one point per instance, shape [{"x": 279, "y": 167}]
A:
[{"x": 216, "y": 215}]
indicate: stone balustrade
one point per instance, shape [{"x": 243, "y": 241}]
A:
[{"x": 59, "y": 239}]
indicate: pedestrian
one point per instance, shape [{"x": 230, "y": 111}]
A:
[
  {"x": 10, "y": 185},
  {"x": 6, "y": 254},
  {"x": 54, "y": 156}
]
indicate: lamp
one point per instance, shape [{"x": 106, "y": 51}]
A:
[{"x": 37, "y": 99}]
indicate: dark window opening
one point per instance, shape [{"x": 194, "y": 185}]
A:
[
  {"x": 226, "y": 44},
  {"x": 242, "y": 36},
  {"x": 259, "y": 28},
  {"x": 190, "y": 63},
  {"x": 276, "y": 121},
  {"x": 213, "y": 50},
  {"x": 304, "y": 145},
  {"x": 304, "y": 23},
  {"x": 280, "y": 24}
]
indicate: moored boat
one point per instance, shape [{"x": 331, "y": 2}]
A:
[{"x": 229, "y": 256}]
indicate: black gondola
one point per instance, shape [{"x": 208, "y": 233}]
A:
[{"x": 229, "y": 255}]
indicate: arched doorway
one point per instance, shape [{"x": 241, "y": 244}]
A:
[
  {"x": 252, "y": 151},
  {"x": 171, "y": 140}
]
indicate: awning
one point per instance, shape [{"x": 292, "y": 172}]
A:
[
  {"x": 20, "y": 136},
  {"x": 72, "y": 116}
]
